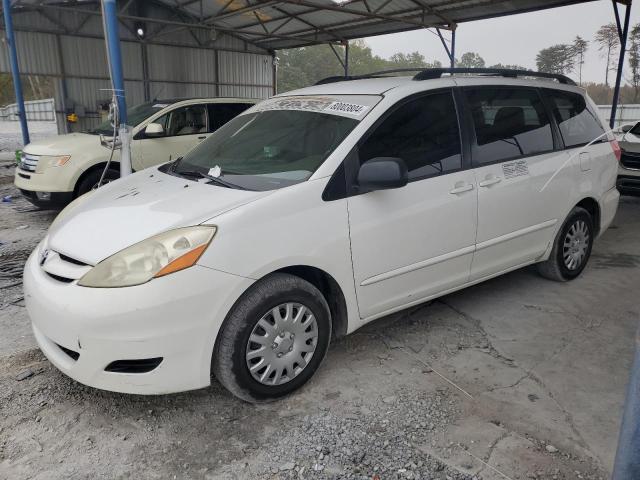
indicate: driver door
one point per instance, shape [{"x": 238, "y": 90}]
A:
[{"x": 413, "y": 242}]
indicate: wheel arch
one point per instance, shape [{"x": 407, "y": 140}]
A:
[
  {"x": 331, "y": 291},
  {"x": 96, "y": 166},
  {"x": 592, "y": 206}
]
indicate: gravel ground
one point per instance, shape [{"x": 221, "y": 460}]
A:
[
  {"x": 476, "y": 385},
  {"x": 11, "y": 135}
]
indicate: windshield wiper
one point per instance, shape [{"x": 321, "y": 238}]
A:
[{"x": 211, "y": 178}]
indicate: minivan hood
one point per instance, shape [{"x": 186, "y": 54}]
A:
[
  {"x": 129, "y": 210},
  {"x": 71, "y": 144}
]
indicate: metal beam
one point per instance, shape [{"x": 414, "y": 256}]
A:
[
  {"x": 200, "y": 26},
  {"x": 623, "y": 33},
  {"x": 239, "y": 11},
  {"x": 15, "y": 70},
  {"x": 364, "y": 14}
]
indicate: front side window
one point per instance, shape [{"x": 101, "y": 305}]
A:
[
  {"x": 578, "y": 124},
  {"x": 423, "y": 132},
  {"x": 508, "y": 123},
  {"x": 189, "y": 120}
]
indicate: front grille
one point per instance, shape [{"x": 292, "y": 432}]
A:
[
  {"x": 59, "y": 278},
  {"x": 29, "y": 162},
  {"x": 72, "y": 260},
  {"x": 74, "y": 355},
  {"x": 630, "y": 160},
  {"x": 143, "y": 365}
]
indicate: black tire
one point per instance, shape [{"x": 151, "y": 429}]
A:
[
  {"x": 556, "y": 268},
  {"x": 229, "y": 362},
  {"x": 90, "y": 181}
]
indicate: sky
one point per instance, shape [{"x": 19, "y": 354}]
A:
[{"x": 515, "y": 39}]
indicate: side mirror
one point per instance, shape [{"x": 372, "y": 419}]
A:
[
  {"x": 383, "y": 173},
  {"x": 154, "y": 130}
]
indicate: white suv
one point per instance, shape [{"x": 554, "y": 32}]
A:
[
  {"x": 54, "y": 171},
  {"x": 311, "y": 214}
]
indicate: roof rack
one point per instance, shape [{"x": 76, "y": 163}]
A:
[
  {"x": 380, "y": 74},
  {"x": 432, "y": 73}
]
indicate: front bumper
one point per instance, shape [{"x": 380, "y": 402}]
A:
[
  {"x": 629, "y": 184},
  {"x": 58, "y": 182},
  {"x": 47, "y": 199},
  {"x": 176, "y": 317}
]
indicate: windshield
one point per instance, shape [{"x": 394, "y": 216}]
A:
[
  {"x": 271, "y": 146},
  {"x": 135, "y": 116}
]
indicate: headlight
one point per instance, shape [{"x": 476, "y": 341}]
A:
[{"x": 157, "y": 256}]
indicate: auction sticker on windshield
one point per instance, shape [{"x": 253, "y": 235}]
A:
[{"x": 352, "y": 106}]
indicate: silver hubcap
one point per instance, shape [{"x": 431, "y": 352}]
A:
[
  {"x": 576, "y": 243},
  {"x": 282, "y": 343}
]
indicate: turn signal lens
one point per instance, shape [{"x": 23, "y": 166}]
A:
[
  {"x": 157, "y": 256},
  {"x": 59, "y": 161}
]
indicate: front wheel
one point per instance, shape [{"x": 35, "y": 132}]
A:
[
  {"x": 571, "y": 248},
  {"x": 273, "y": 339},
  {"x": 90, "y": 181}
]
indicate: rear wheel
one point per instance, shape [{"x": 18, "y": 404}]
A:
[
  {"x": 273, "y": 340},
  {"x": 571, "y": 248},
  {"x": 90, "y": 181}
]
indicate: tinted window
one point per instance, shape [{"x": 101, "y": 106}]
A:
[
  {"x": 578, "y": 124},
  {"x": 188, "y": 120},
  {"x": 221, "y": 113},
  {"x": 423, "y": 132},
  {"x": 509, "y": 123}
]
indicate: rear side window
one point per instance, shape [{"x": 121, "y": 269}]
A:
[
  {"x": 578, "y": 124},
  {"x": 423, "y": 132},
  {"x": 221, "y": 113},
  {"x": 509, "y": 123}
]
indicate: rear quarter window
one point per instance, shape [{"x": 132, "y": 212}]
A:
[{"x": 578, "y": 124}]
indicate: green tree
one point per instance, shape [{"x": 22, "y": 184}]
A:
[
  {"x": 608, "y": 41},
  {"x": 471, "y": 60},
  {"x": 634, "y": 60},
  {"x": 556, "y": 59},
  {"x": 301, "y": 67},
  {"x": 580, "y": 46},
  {"x": 508, "y": 67}
]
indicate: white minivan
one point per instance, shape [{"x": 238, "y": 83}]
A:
[
  {"x": 55, "y": 170},
  {"x": 311, "y": 214}
]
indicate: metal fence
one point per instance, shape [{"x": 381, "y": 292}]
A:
[
  {"x": 629, "y": 113},
  {"x": 36, "y": 110}
]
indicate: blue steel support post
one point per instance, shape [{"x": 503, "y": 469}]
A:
[
  {"x": 627, "y": 464},
  {"x": 114, "y": 57},
  {"x": 15, "y": 71},
  {"x": 622, "y": 33}
]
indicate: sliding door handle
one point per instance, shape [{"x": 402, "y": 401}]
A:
[
  {"x": 487, "y": 182},
  {"x": 461, "y": 187}
]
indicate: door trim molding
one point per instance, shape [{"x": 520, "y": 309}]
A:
[
  {"x": 417, "y": 266},
  {"x": 517, "y": 233}
]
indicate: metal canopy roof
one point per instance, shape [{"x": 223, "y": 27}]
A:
[
  {"x": 277, "y": 24},
  {"x": 293, "y": 23}
]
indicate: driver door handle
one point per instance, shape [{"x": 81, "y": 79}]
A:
[
  {"x": 488, "y": 181},
  {"x": 461, "y": 187}
]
